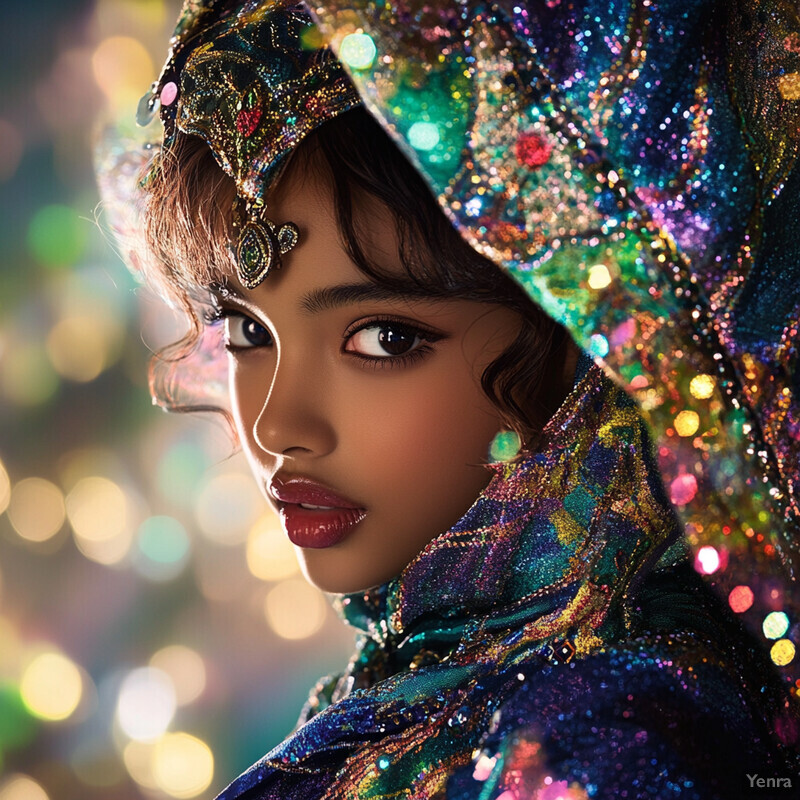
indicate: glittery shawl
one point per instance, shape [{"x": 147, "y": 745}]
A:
[
  {"x": 557, "y": 621},
  {"x": 633, "y": 164}
]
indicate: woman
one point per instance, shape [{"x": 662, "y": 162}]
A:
[{"x": 528, "y": 630}]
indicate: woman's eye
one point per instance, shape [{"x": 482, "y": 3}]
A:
[
  {"x": 384, "y": 340},
  {"x": 243, "y": 332}
]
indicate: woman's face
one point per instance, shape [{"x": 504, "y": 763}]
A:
[{"x": 357, "y": 400}]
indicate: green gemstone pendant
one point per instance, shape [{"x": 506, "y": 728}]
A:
[{"x": 260, "y": 249}]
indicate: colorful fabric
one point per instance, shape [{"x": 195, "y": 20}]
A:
[
  {"x": 554, "y": 636},
  {"x": 634, "y": 165},
  {"x": 253, "y": 84}
]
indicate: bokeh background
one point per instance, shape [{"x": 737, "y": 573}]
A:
[{"x": 155, "y": 635}]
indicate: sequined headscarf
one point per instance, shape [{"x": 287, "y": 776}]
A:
[{"x": 252, "y": 80}]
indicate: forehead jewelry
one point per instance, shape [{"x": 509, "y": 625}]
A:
[
  {"x": 260, "y": 247},
  {"x": 246, "y": 80}
]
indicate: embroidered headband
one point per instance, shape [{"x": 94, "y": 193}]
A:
[{"x": 252, "y": 80}]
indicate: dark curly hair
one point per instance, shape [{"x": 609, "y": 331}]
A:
[{"x": 188, "y": 227}]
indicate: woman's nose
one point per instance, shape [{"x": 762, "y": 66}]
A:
[{"x": 294, "y": 419}]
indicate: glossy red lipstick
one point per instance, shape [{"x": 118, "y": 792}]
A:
[{"x": 312, "y": 514}]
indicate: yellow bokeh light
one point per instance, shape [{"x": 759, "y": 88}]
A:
[
  {"x": 21, "y": 787},
  {"x": 294, "y": 609},
  {"x": 782, "y": 652},
  {"x": 5, "y": 488},
  {"x": 185, "y": 667},
  {"x": 702, "y": 386},
  {"x": 51, "y": 686},
  {"x": 138, "y": 760},
  {"x": 183, "y": 765},
  {"x": 137, "y": 15},
  {"x": 100, "y": 515},
  {"x": 270, "y": 555},
  {"x": 789, "y": 86},
  {"x": 36, "y": 509},
  {"x": 599, "y": 276},
  {"x": 97, "y": 509},
  {"x": 77, "y": 348},
  {"x": 118, "y": 64},
  {"x": 107, "y": 552},
  {"x": 687, "y": 423}
]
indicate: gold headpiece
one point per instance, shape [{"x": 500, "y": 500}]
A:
[{"x": 252, "y": 80}]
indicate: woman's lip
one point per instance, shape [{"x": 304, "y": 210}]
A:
[
  {"x": 323, "y": 526},
  {"x": 318, "y": 528},
  {"x": 299, "y": 490}
]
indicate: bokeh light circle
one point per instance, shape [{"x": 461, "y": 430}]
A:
[
  {"x": 57, "y": 236},
  {"x": 21, "y": 787},
  {"x": 146, "y": 704},
  {"x": 97, "y": 509},
  {"x": 358, "y": 50},
  {"x": 740, "y": 598},
  {"x": 26, "y": 376},
  {"x": 5, "y": 488},
  {"x": 295, "y": 609},
  {"x": 226, "y": 506},
  {"x": 687, "y": 423},
  {"x": 118, "y": 64},
  {"x": 423, "y": 136},
  {"x": 707, "y": 560},
  {"x": 782, "y": 652},
  {"x": 183, "y": 765},
  {"x": 598, "y": 345},
  {"x": 186, "y": 669},
  {"x": 599, "y": 277},
  {"x": 138, "y": 760},
  {"x": 100, "y": 515},
  {"x": 270, "y": 555},
  {"x": 683, "y": 489},
  {"x": 36, "y": 509},
  {"x": 78, "y": 348},
  {"x": 51, "y": 686},
  {"x": 775, "y": 625},
  {"x": 702, "y": 386},
  {"x": 162, "y": 548}
]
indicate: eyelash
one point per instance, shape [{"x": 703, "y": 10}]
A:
[
  {"x": 392, "y": 362},
  {"x": 217, "y": 314}
]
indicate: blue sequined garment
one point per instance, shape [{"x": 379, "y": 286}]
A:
[{"x": 554, "y": 637}]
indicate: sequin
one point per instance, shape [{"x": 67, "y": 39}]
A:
[{"x": 169, "y": 93}]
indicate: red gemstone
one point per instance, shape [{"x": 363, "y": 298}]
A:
[
  {"x": 247, "y": 120},
  {"x": 533, "y": 150}
]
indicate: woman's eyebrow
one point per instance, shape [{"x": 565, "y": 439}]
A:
[{"x": 328, "y": 297}]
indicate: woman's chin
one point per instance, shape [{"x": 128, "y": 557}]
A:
[{"x": 334, "y": 581}]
